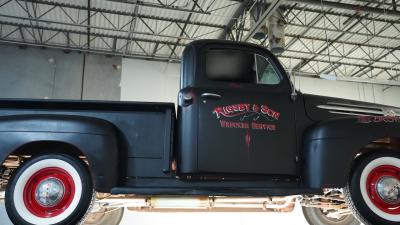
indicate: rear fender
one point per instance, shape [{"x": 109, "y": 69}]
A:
[{"x": 94, "y": 138}]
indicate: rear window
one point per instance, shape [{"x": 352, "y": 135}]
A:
[{"x": 239, "y": 66}]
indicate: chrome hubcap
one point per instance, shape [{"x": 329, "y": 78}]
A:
[
  {"x": 49, "y": 192},
  {"x": 388, "y": 189}
]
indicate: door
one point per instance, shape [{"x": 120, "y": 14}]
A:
[{"x": 246, "y": 119}]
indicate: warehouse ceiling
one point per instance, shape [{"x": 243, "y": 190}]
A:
[{"x": 348, "y": 38}]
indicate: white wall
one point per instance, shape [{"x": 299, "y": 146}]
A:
[
  {"x": 143, "y": 80},
  {"x": 392, "y": 96},
  {"x": 159, "y": 82},
  {"x": 48, "y": 73}
]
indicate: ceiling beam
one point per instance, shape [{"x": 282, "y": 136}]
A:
[
  {"x": 232, "y": 21},
  {"x": 363, "y": 44},
  {"x": 341, "y": 62},
  {"x": 337, "y": 58},
  {"x": 312, "y": 23},
  {"x": 95, "y": 51},
  {"x": 323, "y": 48},
  {"x": 292, "y": 35},
  {"x": 353, "y": 12},
  {"x": 183, "y": 29},
  {"x": 329, "y": 44},
  {"x": 347, "y": 6},
  {"x": 366, "y": 69},
  {"x": 132, "y": 26},
  {"x": 88, "y": 23},
  {"x": 160, "y": 6},
  {"x": 18, "y": 19},
  {"x": 353, "y": 33},
  {"x": 349, "y": 14},
  {"x": 94, "y": 34},
  {"x": 66, "y": 4}
]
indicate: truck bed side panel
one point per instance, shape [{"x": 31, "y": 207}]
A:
[{"x": 144, "y": 129}]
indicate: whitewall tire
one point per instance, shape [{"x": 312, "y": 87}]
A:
[
  {"x": 49, "y": 189},
  {"x": 373, "y": 191}
]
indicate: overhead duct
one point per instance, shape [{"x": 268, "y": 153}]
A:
[
  {"x": 273, "y": 26},
  {"x": 276, "y": 32},
  {"x": 255, "y": 13}
]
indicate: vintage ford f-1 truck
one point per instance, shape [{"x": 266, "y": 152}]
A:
[{"x": 240, "y": 130}]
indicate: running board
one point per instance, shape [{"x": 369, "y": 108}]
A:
[{"x": 253, "y": 192}]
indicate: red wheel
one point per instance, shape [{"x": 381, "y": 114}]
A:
[
  {"x": 52, "y": 189},
  {"x": 49, "y": 192},
  {"x": 383, "y": 188},
  {"x": 373, "y": 192}
]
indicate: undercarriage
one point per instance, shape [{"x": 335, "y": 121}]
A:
[{"x": 332, "y": 203}]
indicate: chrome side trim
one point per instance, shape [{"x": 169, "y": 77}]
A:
[
  {"x": 353, "y": 110},
  {"x": 347, "y": 113},
  {"x": 353, "y": 105}
]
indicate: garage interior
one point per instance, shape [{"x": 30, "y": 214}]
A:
[{"x": 130, "y": 50}]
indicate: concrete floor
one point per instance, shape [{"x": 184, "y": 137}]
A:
[
  {"x": 200, "y": 218},
  {"x": 152, "y": 218},
  {"x": 3, "y": 215}
]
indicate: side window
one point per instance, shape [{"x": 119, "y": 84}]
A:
[
  {"x": 239, "y": 66},
  {"x": 230, "y": 65},
  {"x": 266, "y": 73}
]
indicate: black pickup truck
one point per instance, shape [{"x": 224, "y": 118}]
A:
[{"x": 241, "y": 129}]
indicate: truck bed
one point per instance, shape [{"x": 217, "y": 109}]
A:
[{"x": 145, "y": 129}]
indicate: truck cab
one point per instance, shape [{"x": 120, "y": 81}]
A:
[{"x": 235, "y": 112}]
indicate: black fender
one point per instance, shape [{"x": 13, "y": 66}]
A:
[
  {"x": 330, "y": 147},
  {"x": 94, "y": 138}
]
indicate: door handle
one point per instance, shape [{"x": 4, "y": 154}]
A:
[{"x": 211, "y": 96}]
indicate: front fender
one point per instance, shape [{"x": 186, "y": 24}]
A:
[
  {"x": 331, "y": 146},
  {"x": 95, "y": 138}
]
